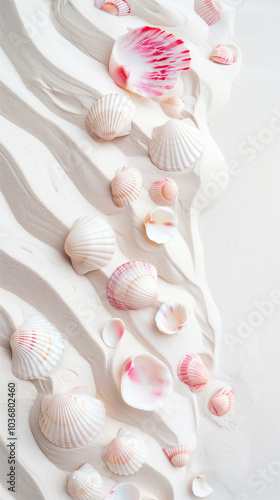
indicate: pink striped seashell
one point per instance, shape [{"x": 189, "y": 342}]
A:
[
  {"x": 193, "y": 373},
  {"x": 223, "y": 55},
  {"x": 172, "y": 106},
  {"x": 126, "y": 186},
  {"x": 126, "y": 453},
  {"x": 164, "y": 192},
  {"x": 179, "y": 455},
  {"x": 208, "y": 10},
  {"x": 221, "y": 403},
  {"x": 113, "y": 7}
]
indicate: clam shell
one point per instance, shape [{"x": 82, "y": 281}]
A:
[
  {"x": 113, "y": 7},
  {"x": 90, "y": 244},
  {"x": 179, "y": 456},
  {"x": 71, "y": 419},
  {"x": 192, "y": 372},
  {"x": 126, "y": 186},
  {"x": 221, "y": 403},
  {"x": 172, "y": 106},
  {"x": 171, "y": 317},
  {"x": 126, "y": 453},
  {"x": 148, "y": 61},
  {"x": 37, "y": 347},
  {"x": 164, "y": 192},
  {"x": 85, "y": 483},
  {"x": 200, "y": 488},
  {"x": 133, "y": 285},
  {"x": 113, "y": 332},
  {"x": 125, "y": 491},
  {"x": 176, "y": 145},
  {"x": 208, "y": 10},
  {"x": 223, "y": 55},
  {"x": 110, "y": 117},
  {"x": 161, "y": 224},
  {"x": 146, "y": 382}
]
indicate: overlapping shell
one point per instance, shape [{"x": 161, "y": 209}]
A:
[
  {"x": 179, "y": 456},
  {"x": 161, "y": 224},
  {"x": 126, "y": 453},
  {"x": 90, "y": 244},
  {"x": 193, "y": 372},
  {"x": 172, "y": 106},
  {"x": 223, "y": 54},
  {"x": 221, "y": 403},
  {"x": 113, "y": 332},
  {"x": 36, "y": 347},
  {"x": 164, "y": 192},
  {"x": 85, "y": 483},
  {"x": 133, "y": 285},
  {"x": 110, "y": 117},
  {"x": 209, "y": 10},
  {"x": 171, "y": 317},
  {"x": 113, "y": 7},
  {"x": 71, "y": 419},
  {"x": 126, "y": 186},
  {"x": 124, "y": 491},
  {"x": 200, "y": 488}
]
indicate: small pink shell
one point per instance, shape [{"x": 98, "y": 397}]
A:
[
  {"x": 208, "y": 10},
  {"x": 221, "y": 403},
  {"x": 113, "y": 7},
  {"x": 172, "y": 106},
  {"x": 223, "y": 55},
  {"x": 192, "y": 372},
  {"x": 164, "y": 192},
  {"x": 179, "y": 455}
]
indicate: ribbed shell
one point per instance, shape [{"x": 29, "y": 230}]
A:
[
  {"x": 221, "y": 403},
  {"x": 113, "y": 7},
  {"x": 126, "y": 454},
  {"x": 172, "y": 106},
  {"x": 208, "y": 10},
  {"x": 171, "y": 317},
  {"x": 85, "y": 483},
  {"x": 179, "y": 456},
  {"x": 192, "y": 372},
  {"x": 126, "y": 186},
  {"x": 124, "y": 491},
  {"x": 223, "y": 55},
  {"x": 200, "y": 488},
  {"x": 164, "y": 192},
  {"x": 36, "y": 347},
  {"x": 161, "y": 224}
]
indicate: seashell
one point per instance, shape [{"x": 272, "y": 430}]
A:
[
  {"x": 90, "y": 244},
  {"x": 221, "y": 403},
  {"x": 149, "y": 496},
  {"x": 126, "y": 453},
  {"x": 125, "y": 491},
  {"x": 176, "y": 145},
  {"x": 113, "y": 332},
  {"x": 172, "y": 106},
  {"x": 179, "y": 455},
  {"x": 161, "y": 224},
  {"x": 171, "y": 317},
  {"x": 85, "y": 483},
  {"x": 110, "y": 117},
  {"x": 192, "y": 372},
  {"x": 71, "y": 419},
  {"x": 208, "y": 10},
  {"x": 200, "y": 488},
  {"x": 37, "y": 347},
  {"x": 133, "y": 285},
  {"x": 126, "y": 186},
  {"x": 164, "y": 192},
  {"x": 146, "y": 382},
  {"x": 148, "y": 61},
  {"x": 223, "y": 55},
  {"x": 113, "y": 7}
]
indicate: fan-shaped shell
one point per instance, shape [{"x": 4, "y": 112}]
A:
[
  {"x": 113, "y": 332},
  {"x": 133, "y": 285},
  {"x": 146, "y": 382},
  {"x": 176, "y": 145},
  {"x": 84, "y": 483},
  {"x": 164, "y": 192},
  {"x": 179, "y": 455},
  {"x": 223, "y": 55},
  {"x": 171, "y": 317},
  {"x": 221, "y": 403},
  {"x": 71, "y": 419},
  {"x": 161, "y": 224},
  {"x": 148, "y": 61},
  {"x": 126, "y": 186},
  {"x": 126, "y": 453},
  {"x": 124, "y": 491},
  {"x": 200, "y": 488},
  {"x": 172, "y": 106},
  {"x": 90, "y": 244},
  {"x": 110, "y": 117},
  {"x": 113, "y": 7},
  {"x": 192, "y": 372},
  {"x": 208, "y": 10},
  {"x": 36, "y": 348}
]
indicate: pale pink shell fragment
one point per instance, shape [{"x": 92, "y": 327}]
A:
[
  {"x": 164, "y": 192},
  {"x": 126, "y": 453},
  {"x": 223, "y": 55},
  {"x": 179, "y": 456},
  {"x": 208, "y": 10},
  {"x": 113, "y": 332},
  {"x": 124, "y": 491},
  {"x": 161, "y": 224},
  {"x": 171, "y": 317},
  {"x": 113, "y": 7},
  {"x": 221, "y": 403},
  {"x": 200, "y": 488},
  {"x": 193, "y": 372}
]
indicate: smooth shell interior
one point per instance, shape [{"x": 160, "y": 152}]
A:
[
  {"x": 113, "y": 332},
  {"x": 125, "y": 491},
  {"x": 161, "y": 224},
  {"x": 171, "y": 317},
  {"x": 200, "y": 488}
]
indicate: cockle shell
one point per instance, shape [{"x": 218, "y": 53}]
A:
[
  {"x": 71, "y": 419},
  {"x": 221, "y": 403},
  {"x": 161, "y": 224},
  {"x": 110, "y": 117},
  {"x": 36, "y": 348},
  {"x": 146, "y": 382},
  {"x": 171, "y": 317},
  {"x": 176, "y": 145},
  {"x": 90, "y": 244},
  {"x": 126, "y": 453},
  {"x": 113, "y": 7},
  {"x": 148, "y": 61},
  {"x": 164, "y": 192},
  {"x": 172, "y": 106},
  {"x": 124, "y": 491},
  {"x": 179, "y": 455},
  {"x": 133, "y": 285},
  {"x": 192, "y": 372},
  {"x": 85, "y": 483},
  {"x": 208, "y": 10},
  {"x": 126, "y": 186},
  {"x": 113, "y": 332},
  {"x": 223, "y": 55},
  {"x": 200, "y": 488}
]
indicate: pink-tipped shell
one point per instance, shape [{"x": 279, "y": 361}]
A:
[
  {"x": 126, "y": 186},
  {"x": 113, "y": 332},
  {"x": 223, "y": 55},
  {"x": 192, "y": 372},
  {"x": 172, "y": 106},
  {"x": 179, "y": 455},
  {"x": 161, "y": 224},
  {"x": 164, "y": 192},
  {"x": 208, "y": 10},
  {"x": 113, "y": 7},
  {"x": 221, "y": 403},
  {"x": 171, "y": 317}
]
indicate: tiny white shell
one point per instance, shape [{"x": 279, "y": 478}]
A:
[
  {"x": 172, "y": 106},
  {"x": 171, "y": 317},
  {"x": 126, "y": 186},
  {"x": 113, "y": 7},
  {"x": 113, "y": 332},
  {"x": 126, "y": 453},
  {"x": 84, "y": 483},
  {"x": 179, "y": 456},
  {"x": 124, "y": 491},
  {"x": 200, "y": 488},
  {"x": 209, "y": 10},
  {"x": 161, "y": 224},
  {"x": 164, "y": 192},
  {"x": 223, "y": 55}
]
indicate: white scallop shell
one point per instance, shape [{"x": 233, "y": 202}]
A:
[
  {"x": 176, "y": 145},
  {"x": 126, "y": 186},
  {"x": 171, "y": 317},
  {"x": 36, "y": 347},
  {"x": 146, "y": 382},
  {"x": 126, "y": 453},
  {"x": 133, "y": 285},
  {"x": 71, "y": 419},
  {"x": 110, "y": 117},
  {"x": 84, "y": 483},
  {"x": 172, "y": 106},
  {"x": 193, "y": 372},
  {"x": 200, "y": 488},
  {"x": 161, "y": 224},
  {"x": 223, "y": 54},
  {"x": 90, "y": 244},
  {"x": 208, "y": 10},
  {"x": 113, "y": 7},
  {"x": 164, "y": 192},
  {"x": 125, "y": 491},
  {"x": 179, "y": 456},
  {"x": 221, "y": 403},
  {"x": 113, "y": 332}
]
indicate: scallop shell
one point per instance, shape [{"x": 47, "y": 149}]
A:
[
  {"x": 148, "y": 61},
  {"x": 126, "y": 186},
  {"x": 36, "y": 347},
  {"x": 192, "y": 372},
  {"x": 172, "y": 106},
  {"x": 179, "y": 456},
  {"x": 176, "y": 145},
  {"x": 126, "y": 453},
  {"x": 90, "y": 244},
  {"x": 110, "y": 117},
  {"x": 164, "y": 192},
  {"x": 113, "y": 332},
  {"x": 171, "y": 317},
  {"x": 208, "y": 10},
  {"x": 71, "y": 419},
  {"x": 221, "y": 403},
  {"x": 146, "y": 382},
  {"x": 200, "y": 488},
  {"x": 133, "y": 285},
  {"x": 84, "y": 483},
  {"x": 125, "y": 491},
  {"x": 113, "y": 7},
  {"x": 161, "y": 224},
  {"x": 223, "y": 55}
]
